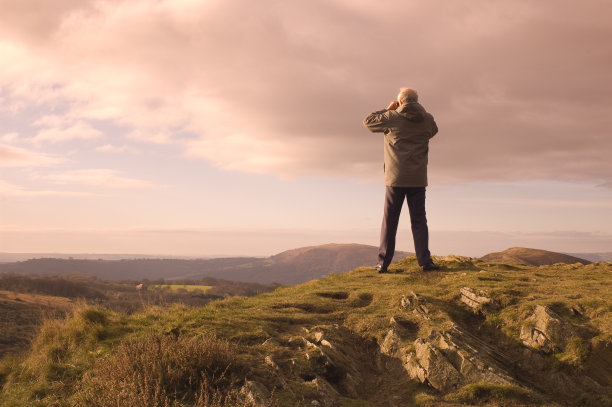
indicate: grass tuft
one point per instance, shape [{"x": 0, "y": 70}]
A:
[
  {"x": 503, "y": 395},
  {"x": 162, "y": 370}
]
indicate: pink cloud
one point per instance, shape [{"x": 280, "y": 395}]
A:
[
  {"x": 520, "y": 90},
  {"x": 14, "y": 190},
  {"x": 11, "y": 156},
  {"x": 77, "y": 131},
  {"x": 99, "y": 177}
]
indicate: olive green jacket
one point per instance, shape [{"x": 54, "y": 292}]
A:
[{"x": 407, "y": 132}]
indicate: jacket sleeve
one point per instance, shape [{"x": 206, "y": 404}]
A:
[
  {"x": 434, "y": 127},
  {"x": 378, "y": 121}
]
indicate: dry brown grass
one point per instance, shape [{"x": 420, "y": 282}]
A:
[{"x": 163, "y": 371}]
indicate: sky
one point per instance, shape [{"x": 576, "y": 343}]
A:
[{"x": 226, "y": 127}]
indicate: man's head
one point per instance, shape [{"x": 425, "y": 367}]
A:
[{"x": 407, "y": 95}]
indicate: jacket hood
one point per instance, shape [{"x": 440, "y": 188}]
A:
[{"x": 412, "y": 111}]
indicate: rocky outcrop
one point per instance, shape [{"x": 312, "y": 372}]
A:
[
  {"x": 391, "y": 344},
  {"x": 428, "y": 365},
  {"x": 449, "y": 360},
  {"x": 546, "y": 331},
  {"x": 417, "y": 304},
  {"x": 478, "y": 301}
]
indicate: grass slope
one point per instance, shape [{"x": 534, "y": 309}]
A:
[
  {"x": 319, "y": 343},
  {"x": 21, "y": 313}
]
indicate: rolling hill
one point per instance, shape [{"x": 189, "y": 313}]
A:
[
  {"x": 289, "y": 267},
  {"x": 533, "y": 257}
]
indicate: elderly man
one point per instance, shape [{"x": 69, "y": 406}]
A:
[{"x": 407, "y": 128}]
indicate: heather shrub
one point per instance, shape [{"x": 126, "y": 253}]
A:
[{"x": 165, "y": 370}]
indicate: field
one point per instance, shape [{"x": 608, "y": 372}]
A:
[{"x": 186, "y": 287}]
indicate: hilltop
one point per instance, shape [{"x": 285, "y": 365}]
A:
[
  {"x": 533, "y": 257},
  {"x": 289, "y": 267},
  {"x": 481, "y": 333}
]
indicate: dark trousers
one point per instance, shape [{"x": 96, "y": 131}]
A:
[{"x": 394, "y": 200}]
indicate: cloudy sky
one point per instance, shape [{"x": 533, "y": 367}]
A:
[{"x": 213, "y": 127}]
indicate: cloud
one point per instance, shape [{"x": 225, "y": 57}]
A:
[
  {"x": 77, "y": 131},
  {"x": 100, "y": 177},
  {"x": 110, "y": 148},
  {"x": 11, "y": 156},
  {"x": 13, "y": 190},
  {"x": 151, "y": 136},
  {"x": 10, "y": 137},
  {"x": 520, "y": 90}
]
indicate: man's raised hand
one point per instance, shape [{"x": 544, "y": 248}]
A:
[{"x": 393, "y": 105}]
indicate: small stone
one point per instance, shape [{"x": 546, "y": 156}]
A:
[{"x": 325, "y": 342}]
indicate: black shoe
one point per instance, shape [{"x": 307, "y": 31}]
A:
[
  {"x": 431, "y": 266},
  {"x": 380, "y": 268}
]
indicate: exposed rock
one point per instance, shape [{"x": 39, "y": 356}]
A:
[
  {"x": 474, "y": 359},
  {"x": 545, "y": 330},
  {"x": 411, "y": 300},
  {"x": 479, "y": 301},
  {"x": 414, "y": 368},
  {"x": 391, "y": 344},
  {"x": 309, "y": 344},
  {"x": 318, "y": 336},
  {"x": 325, "y": 342},
  {"x": 446, "y": 361},
  {"x": 428, "y": 364},
  {"x": 255, "y": 393},
  {"x": 416, "y": 303},
  {"x": 327, "y": 394}
]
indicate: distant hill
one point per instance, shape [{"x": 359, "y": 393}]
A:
[
  {"x": 310, "y": 263},
  {"x": 532, "y": 257},
  {"x": 603, "y": 256},
  {"x": 133, "y": 269},
  {"x": 6, "y": 257},
  {"x": 289, "y": 267}
]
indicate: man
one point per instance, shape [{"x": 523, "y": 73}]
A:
[{"x": 407, "y": 128}]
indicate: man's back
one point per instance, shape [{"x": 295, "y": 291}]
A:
[{"x": 406, "y": 143}]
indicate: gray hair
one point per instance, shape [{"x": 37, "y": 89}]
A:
[{"x": 407, "y": 95}]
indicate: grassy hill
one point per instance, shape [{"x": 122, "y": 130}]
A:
[
  {"x": 476, "y": 333},
  {"x": 27, "y": 300},
  {"x": 533, "y": 257}
]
